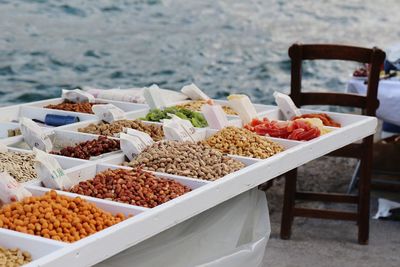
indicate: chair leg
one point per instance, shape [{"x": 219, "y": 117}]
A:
[
  {"x": 288, "y": 204},
  {"x": 364, "y": 193}
]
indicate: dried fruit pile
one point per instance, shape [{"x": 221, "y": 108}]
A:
[
  {"x": 233, "y": 140},
  {"x": 90, "y": 148},
  {"x": 325, "y": 118},
  {"x": 57, "y": 217},
  {"x": 110, "y": 129},
  {"x": 19, "y": 165},
  {"x": 84, "y": 107},
  {"x": 186, "y": 159},
  {"x": 300, "y": 130},
  {"x": 134, "y": 187},
  {"x": 14, "y": 257},
  {"x": 196, "y": 105}
]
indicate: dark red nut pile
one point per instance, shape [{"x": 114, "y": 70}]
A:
[
  {"x": 134, "y": 187},
  {"x": 85, "y": 107},
  {"x": 91, "y": 148}
]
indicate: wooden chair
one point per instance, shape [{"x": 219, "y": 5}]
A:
[{"x": 362, "y": 151}]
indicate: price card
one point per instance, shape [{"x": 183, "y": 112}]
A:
[
  {"x": 131, "y": 145},
  {"x": 215, "y": 116},
  {"x": 11, "y": 190},
  {"x": 144, "y": 137},
  {"x": 3, "y": 148},
  {"x": 194, "y": 92},
  {"x": 154, "y": 97},
  {"x": 108, "y": 112},
  {"x": 50, "y": 172},
  {"x": 77, "y": 96},
  {"x": 34, "y": 136},
  {"x": 286, "y": 105},
  {"x": 243, "y": 106},
  {"x": 178, "y": 129}
]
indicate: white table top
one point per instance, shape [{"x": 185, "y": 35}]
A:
[{"x": 388, "y": 95}]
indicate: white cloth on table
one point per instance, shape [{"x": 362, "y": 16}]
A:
[
  {"x": 232, "y": 234},
  {"x": 388, "y": 95}
]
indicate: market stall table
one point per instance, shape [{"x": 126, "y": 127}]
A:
[{"x": 205, "y": 195}]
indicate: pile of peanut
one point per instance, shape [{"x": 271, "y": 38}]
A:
[
  {"x": 196, "y": 105},
  {"x": 239, "y": 141},
  {"x": 134, "y": 187},
  {"x": 14, "y": 257},
  {"x": 19, "y": 165},
  {"x": 84, "y": 107},
  {"x": 186, "y": 159},
  {"x": 111, "y": 129},
  {"x": 57, "y": 217},
  {"x": 91, "y": 148}
]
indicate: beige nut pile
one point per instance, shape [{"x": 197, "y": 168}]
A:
[
  {"x": 238, "y": 141},
  {"x": 186, "y": 159},
  {"x": 13, "y": 257},
  {"x": 197, "y": 104},
  {"x": 18, "y": 165},
  {"x": 111, "y": 129}
]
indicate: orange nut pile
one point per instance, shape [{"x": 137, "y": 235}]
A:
[
  {"x": 84, "y": 107},
  {"x": 57, "y": 217}
]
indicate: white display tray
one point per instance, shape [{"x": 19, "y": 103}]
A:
[{"x": 149, "y": 222}]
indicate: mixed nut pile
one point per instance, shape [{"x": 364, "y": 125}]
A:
[
  {"x": 111, "y": 129},
  {"x": 238, "y": 141},
  {"x": 84, "y": 107},
  {"x": 196, "y": 105},
  {"x": 134, "y": 187},
  {"x": 19, "y": 165},
  {"x": 186, "y": 159},
  {"x": 90, "y": 148},
  {"x": 57, "y": 217},
  {"x": 14, "y": 257}
]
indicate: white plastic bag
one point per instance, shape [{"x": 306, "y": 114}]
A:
[
  {"x": 50, "y": 172},
  {"x": 133, "y": 142},
  {"x": 108, "y": 112},
  {"x": 215, "y": 116},
  {"x": 11, "y": 190},
  {"x": 154, "y": 97},
  {"x": 232, "y": 234},
  {"x": 34, "y": 136},
  {"x": 178, "y": 129},
  {"x": 194, "y": 92},
  {"x": 77, "y": 96},
  {"x": 286, "y": 105}
]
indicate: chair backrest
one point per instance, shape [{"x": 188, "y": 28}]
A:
[{"x": 374, "y": 57}]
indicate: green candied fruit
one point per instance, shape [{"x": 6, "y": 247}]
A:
[{"x": 196, "y": 118}]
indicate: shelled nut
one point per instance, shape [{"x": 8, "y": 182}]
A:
[
  {"x": 57, "y": 217},
  {"x": 14, "y": 257},
  {"x": 187, "y": 159},
  {"x": 90, "y": 148},
  {"x": 110, "y": 129},
  {"x": 238, "y": 141},
  {"x": 84, "y": 107},
  {"x": 134, "y": 187},
  {"x": 19, "y": 165}
]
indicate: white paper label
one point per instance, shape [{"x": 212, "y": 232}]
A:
[
  {"x": 286, "y": 105},
  {"x": 50, "y": 172},
  {"x": 144, "y": 137},
  {"x": 3, "y": 148},
  {"x": 194, "y": 92},
  {"x": 177, "y": 129},
  {"x": 108, "y": 112},
  {"x": 34, "y": 136},
  {"x": 154, "y": 97},
  {"x": 77, "y": 96},
  {"x": 11, "y": 190},
  {"x": 215, "y": 116},
  {"x": 243, "y": 106},
  {"x": 131, "y": 145}
]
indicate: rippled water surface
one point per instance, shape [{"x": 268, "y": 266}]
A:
[{"x": 223, "y": 46}]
